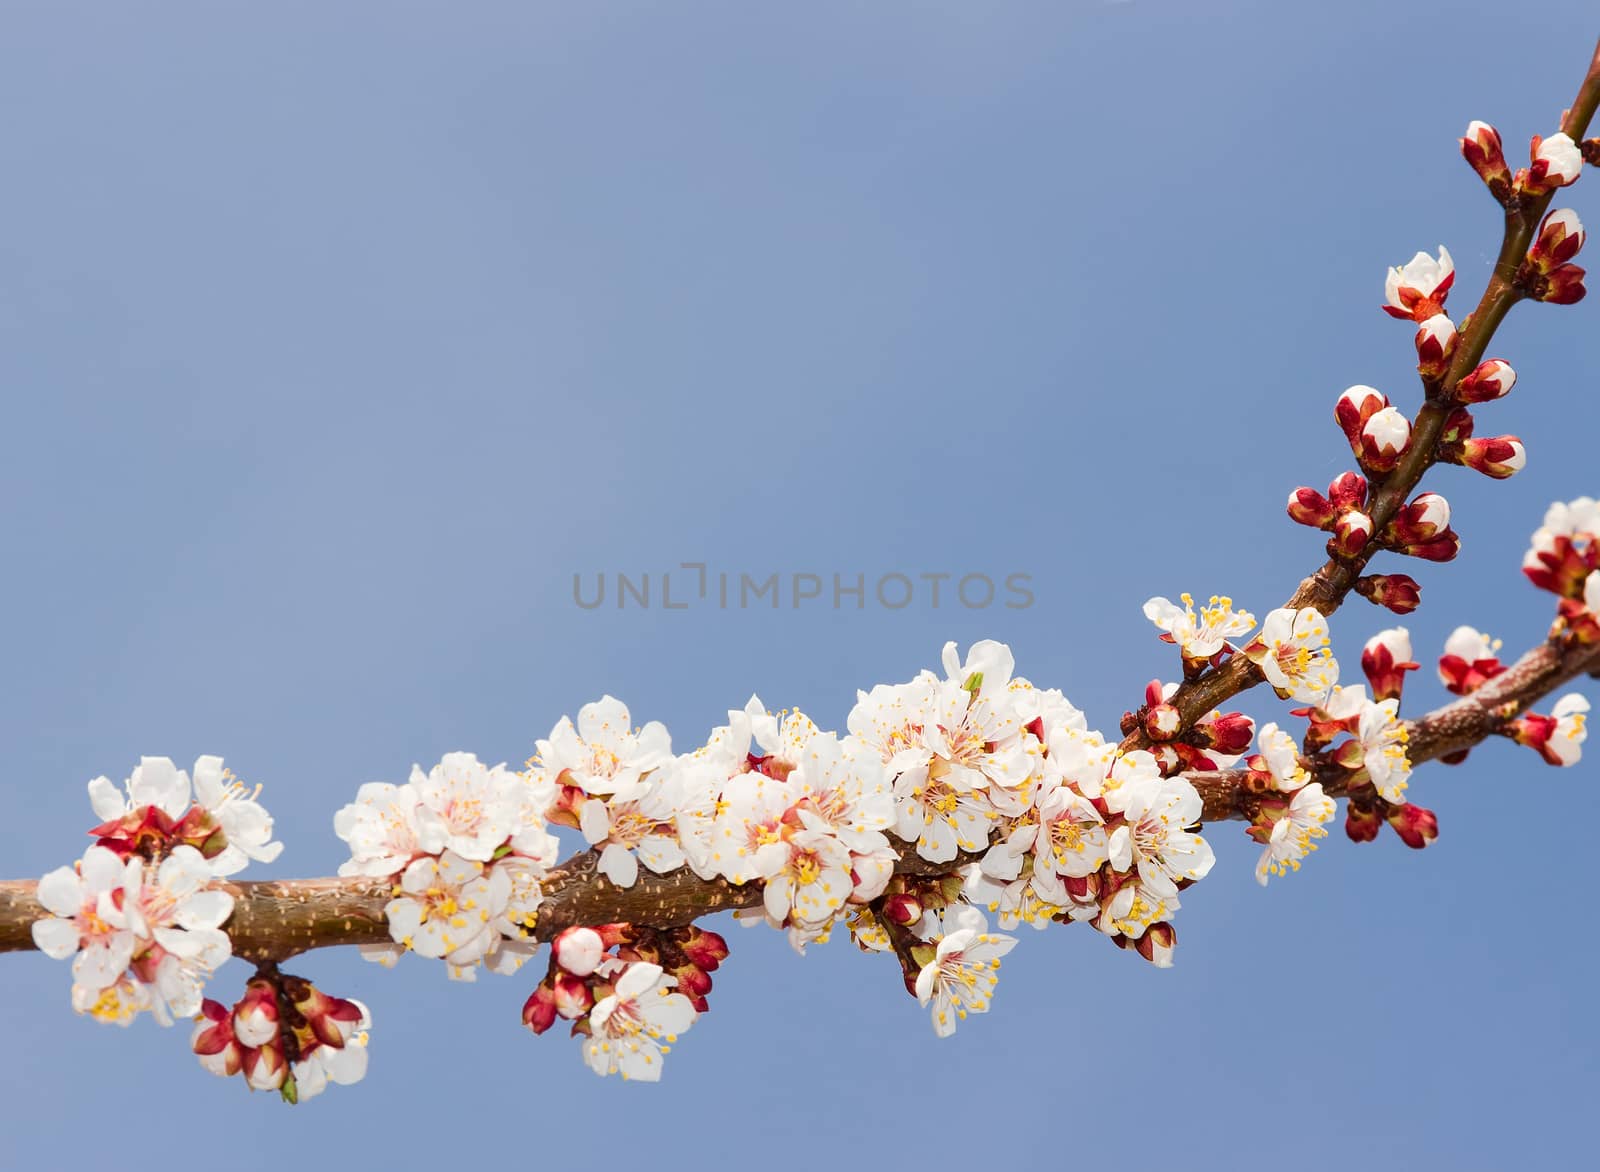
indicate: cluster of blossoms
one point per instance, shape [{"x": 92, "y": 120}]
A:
[
  {"x": 284, "y": 1035},
  {"x": 958, "y": 790},
  {"x": 141, "y": 913},
  {"x": 466, "y": 847},
  {"x": 629, "y": 991}
]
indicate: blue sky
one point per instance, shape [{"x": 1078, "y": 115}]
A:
[{"x": 336, "y": 338}]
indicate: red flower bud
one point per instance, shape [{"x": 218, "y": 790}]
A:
[
  {"x": 1436, "y": 342},
  {"x": 1499, "y": 456},
  {"x": 1348, "y": 490},
  {"x": 1385, "y": 659},
  {"x": 1416, "y": 826},
  {"x": 1397, "y": 592},
  {"x": 903, "y": 909},
  {"x": 1560, "y": 286},
  {"x": 1228, "y": 733},
  {"x": 1310, "y": 507},
  {"x": 1351, "y": 534},
  {"x": 1361, "y": 822},
  {"x": 539, "y": 1010},
  {"x": 1561, "y": 235},
  {"x": 1355, "y": 406},
  {"x": 705, "y": 950},
  {"x": 1482, "y": 149},
  {"x": 1492, "y": 379}
]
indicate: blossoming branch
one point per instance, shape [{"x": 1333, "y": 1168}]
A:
[{"x": 954, "y": 808}]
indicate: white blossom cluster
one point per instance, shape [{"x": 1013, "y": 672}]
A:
[
  {"x": 466, "y": 845},
  {"x": 141, "y": 912}
]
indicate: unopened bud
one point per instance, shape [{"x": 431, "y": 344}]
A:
[
  {"x": 1310, "y": 507},
  {"x": 1384, "y": 439},
  {"x": 1560, "y": 238},
  {"x": 1162, "y": 722},
  {"x": 705, "y": 950},
  {"x": 539, "y": 1010},
  {"x": 903, "y": 909},
  {"x": 1397, "y": 592},
  {"x": 1157, "y": 943},
  {"x": 1436, "y": 342},
  {"x": 1416, "y": 826},
  {"x": 1498, "y": 456},
  {"x": 1556, "y": 162},
  {"x": 1560, "y": 286},
  {"x": 1348, "y": 490},
  {"x": 1355, "y": 406},
  {"x": 579, "y": 950},
  {"x": 1385, "y": 659},
  {"x": 571, "y": 996},
  {"x": 1482, "y": 149},
  {"x": 1227, "y": 733},
  {"x": 1491, "y": 380},
  {"x": 1361, "y": 822},
  {"x": 1351, "y": 534}
]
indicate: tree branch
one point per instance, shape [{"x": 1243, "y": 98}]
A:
[
  {"x": 276, "y": 919},
  {"x": 1330, "y": 585}
]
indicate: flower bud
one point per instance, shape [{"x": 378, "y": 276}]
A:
[
  {"x": 1348, "y": 490},
  {"x": 1361, "y": 822},
  {"x": 1384, "y": 439},
  {"x": 1417, "y": 289},
  {"x": 1558, "y": 737},
  {"x": 579, "y": 950},
  {"x": 1310, "y": 507},
  {"x": 1499, "y": 456},
  {"x": 1458, "y": 426},
  {"x": 1351, "y": 534},
  {"x": 904, "y": 909},
  {"x": 1354, "y": 407},
  {"x": 213, "y": 1041},
  {"x": 1490, "y": 380},
  {"x": 571, "y": 995},
  {"x": 1162, "y": 722},
  {"x": 1397, "y": 592},
  {"x": 1416, "y": 826},
  {"x": 1157, "y": 943},
  {"x": 705, "y": 950},
  {"x": 1556, "y": 162},
  {"x": 1469, "y": 661},
  {"x": 1426, "y": 517},
  {"x": 539, "y": 1010},
  {"x": 1482, "y": 149},
  {"x": 1227, "y": 733},
  {"x": 1560, "y": 286},
  {"x": 1436, "y": 342},
  {"x": 255, "y": 1017},
  {"x": 1385, "y": 659},
  {"x": 1560, "y": 238},
  {"x": 265, "y": 1068}
]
